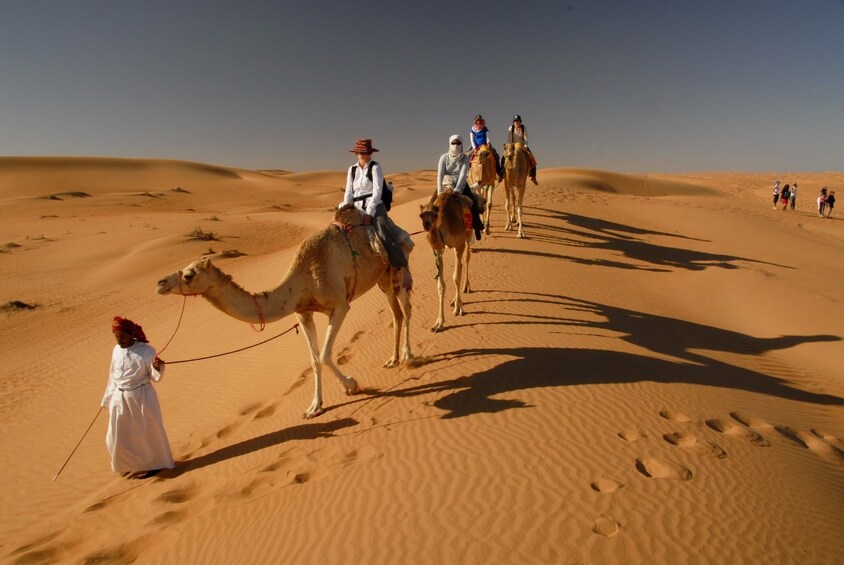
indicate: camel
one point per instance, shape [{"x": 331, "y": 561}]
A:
[
  {"x": 482, "y": 178},
  {"x": 448, "y": 223},
  {"x": 516, "y": 167},
  {"x": 330, "y": 269}
]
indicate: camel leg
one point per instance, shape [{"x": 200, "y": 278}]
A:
[
  {"x": 335, "y": 320},
  {"x": 403, "y": 299},
  {"x": 521, "y": 198},
  {"x": 468, "y": 253},
  {"x": 438, "y": 261},
  {"x": 306, "y": 320},
  {"x": 458, "y": 282},
  {"x": 487, "y": 190},
  {"x": 508, "y": 190},
  {"x": 390, "y": 291}
]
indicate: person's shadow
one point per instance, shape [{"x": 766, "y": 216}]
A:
[{"x": 302, "y": 432}]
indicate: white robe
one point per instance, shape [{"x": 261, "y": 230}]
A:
[{"x": 136, "y": 439}]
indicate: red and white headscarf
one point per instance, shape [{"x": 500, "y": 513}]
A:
[{"x": 129, "y": 327}]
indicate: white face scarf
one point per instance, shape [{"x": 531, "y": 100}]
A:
[{"x": 455, "y": 151}]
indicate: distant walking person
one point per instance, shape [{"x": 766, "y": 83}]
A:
[
  {"x": 821, "y": 201},
  {"x": 786, "y": 194},
  {"x": 776, "y": 193},
  {"x": 793, "y": 194},
  {"x": 136, "y": 439},
  {"x": 830, "y": 203}
]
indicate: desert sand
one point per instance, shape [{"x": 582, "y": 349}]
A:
[{"x": 653, "y": 376}]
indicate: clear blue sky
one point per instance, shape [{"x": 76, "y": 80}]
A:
[{"x": 625, "y": 85}]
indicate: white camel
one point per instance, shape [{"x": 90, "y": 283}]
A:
[{"x": 331, "y": 268}]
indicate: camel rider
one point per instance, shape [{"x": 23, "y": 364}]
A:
[
  {"x": 517, "y": 133},
  {"x": 451, "y": 174},
  {"x": 479, "y": 135},
  {"x": 364, "y": 191}
]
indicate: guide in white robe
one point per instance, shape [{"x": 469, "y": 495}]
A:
[{"x": 136, "y": 439}]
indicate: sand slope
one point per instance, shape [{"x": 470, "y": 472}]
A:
[{"x": 652, "y": 376}]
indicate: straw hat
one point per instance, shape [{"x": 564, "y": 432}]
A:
[{"x": 363, "y": 146}]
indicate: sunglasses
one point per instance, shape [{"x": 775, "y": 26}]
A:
[{"x": 456, "y": 143}]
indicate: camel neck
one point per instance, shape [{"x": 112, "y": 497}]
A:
[{"x": 260, "y": 308}]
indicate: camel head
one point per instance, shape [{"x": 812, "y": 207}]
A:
[
  {"x": 428, "y": 213},
  {"x": 196, "y": 278},
  {"x": 484, "y": 154}
]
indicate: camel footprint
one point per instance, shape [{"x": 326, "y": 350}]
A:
[
  {"x": 606, "y": 526},
  {"x": 832, "y": 440},
  {"x": 654, "y": 468},
  {"x": 606, "y": 485},
  {"x": 737, "y": 430},
  {"x": 757, "y": 424},
  {"x": 695, "y": 444},
  {"x": 675, "y": 416},
  {"x": 632, "y": 435},
  {"x": 813, "y": 443}
]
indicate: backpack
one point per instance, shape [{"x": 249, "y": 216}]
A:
[{"x": 386, "y": 188}]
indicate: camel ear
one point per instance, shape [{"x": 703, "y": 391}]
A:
[{"x": 205, "y": 262}]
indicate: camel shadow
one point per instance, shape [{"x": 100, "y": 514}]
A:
[
  {"x": 302, "y": 432},
  {"x": 558, "y": 367},
  {"x": 621, "y": 239}
]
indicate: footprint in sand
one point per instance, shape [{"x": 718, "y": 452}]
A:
[
  {"x": 249, "y": 409},
  {"x": 659, "y": 469},
  {"x": 265, "y": 413},
  {"x": 813, "y": 443},
  {"x": 606, "y": 485},
  {"x": 632, "y": 435},
  {"x": 736, "y": 430},
  {"x": 675, "y": 416},
  {"x": 606, "y": 526},
  {"x": 830, "y": 439},
  {"x": 176, "y": 496},
  {"x": 169, "y": 517},
  {"x": 695, "y": 444},
  {"x": 757, "y": 424},
  {"x": 298, "y": 382},
  {"x": 356, "y": 337}
]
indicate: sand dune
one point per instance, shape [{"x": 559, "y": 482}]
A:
[{"x": 652, "y": 376}]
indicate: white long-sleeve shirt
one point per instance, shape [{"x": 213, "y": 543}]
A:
[
  {"x": 360, "y": 185},
  {"x": 456, "y": 172}
]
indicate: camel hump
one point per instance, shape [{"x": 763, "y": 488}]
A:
[
  {"x": 444, "y": 198},
  {"x": 349, "y": 215}
]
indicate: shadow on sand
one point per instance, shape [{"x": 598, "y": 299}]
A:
[
  {"x": 304, "y": 431},
  {"x": 620, "y": 239},
  {"x": 544, "y": 367}
]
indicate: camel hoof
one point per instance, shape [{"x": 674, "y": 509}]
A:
[
  {"x": 313, "y": 413},
  {"x": 391, "y": 362},
  {"x": 437, "y": 328},
  {"x": 351, "y": 387},
  {"x": 459, "y": 312}
]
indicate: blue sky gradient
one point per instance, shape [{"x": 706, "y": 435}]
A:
[{"x": 637, "y": 86}]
